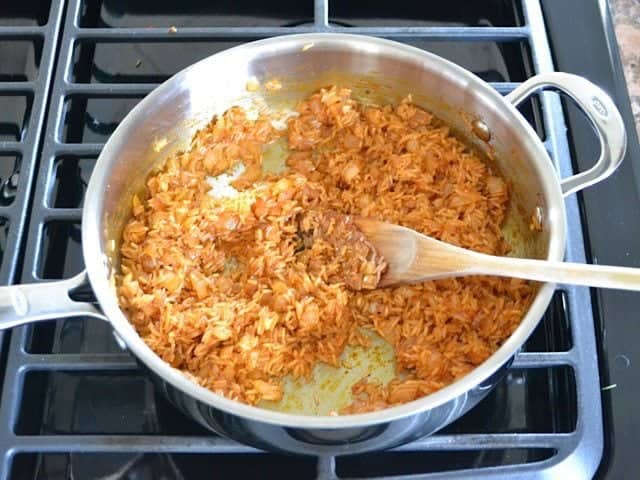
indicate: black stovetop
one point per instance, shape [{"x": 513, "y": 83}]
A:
[{"x": 74, "y": 404}]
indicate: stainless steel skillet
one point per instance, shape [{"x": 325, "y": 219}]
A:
[{"x": 377, "y": 70}]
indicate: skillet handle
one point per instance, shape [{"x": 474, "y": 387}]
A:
[
  {"x": 32, "y": 302},
  {"x": 601, "y": 112}
]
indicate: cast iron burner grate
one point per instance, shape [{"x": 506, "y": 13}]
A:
[
  {"x": 74, "y": 405},
  {"x": 28, "y": 40}
]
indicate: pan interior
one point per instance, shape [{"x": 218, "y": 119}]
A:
[{"x": 329, "y": 388}]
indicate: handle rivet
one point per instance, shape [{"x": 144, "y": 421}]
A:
[{"x": 481, "y": 130}]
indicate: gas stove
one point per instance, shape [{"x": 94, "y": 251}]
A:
[{"x": 73, "y": 404}]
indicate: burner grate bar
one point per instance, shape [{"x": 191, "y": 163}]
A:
[
  {"x": 486, "y": 440},
  {"x": 27, "y": 87},
  {"x": 11, "y": 147},
  {"x": 504, "y": 87},
  {"x": 60, "y": 148},
  {"x": 583, "y": 452},
  {"x": 115, "y": 89},
  {"x": 543, "y": 359},
  {"x": 27, "y": 143},
  {"x": 126, "y": 443},
  {"x": 78, "y": 362},
  {"x": 11, "y": 213},
  {"x": 64, "y": 214},
  {"x": 489, "y": 34},
  {"x": 326, "y": 467},
  {"x": 24, "y": 32},
  {"x": 522, "y": 471},
  {"x": 321, "y": 14},
  {"x": 219, "y": 445}
]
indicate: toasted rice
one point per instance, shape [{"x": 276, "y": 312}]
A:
[{"x": 221, "y": 288}]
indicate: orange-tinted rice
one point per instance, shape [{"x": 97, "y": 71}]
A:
[{"x": 221, "y": 288}]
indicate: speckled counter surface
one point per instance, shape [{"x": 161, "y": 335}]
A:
[{"x": 626, "y": 15}]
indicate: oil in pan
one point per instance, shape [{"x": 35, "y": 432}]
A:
[{"x": 329, "y": 388}]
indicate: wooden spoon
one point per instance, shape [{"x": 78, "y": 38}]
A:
[{"x": 413, "y": 258}]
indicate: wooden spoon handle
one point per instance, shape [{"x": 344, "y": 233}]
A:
[
  {"x": 414, "y": 257},
  {"x": 559, "y": 272}
]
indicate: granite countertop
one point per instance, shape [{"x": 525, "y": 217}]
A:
[{"x": 626, "y": 17}]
